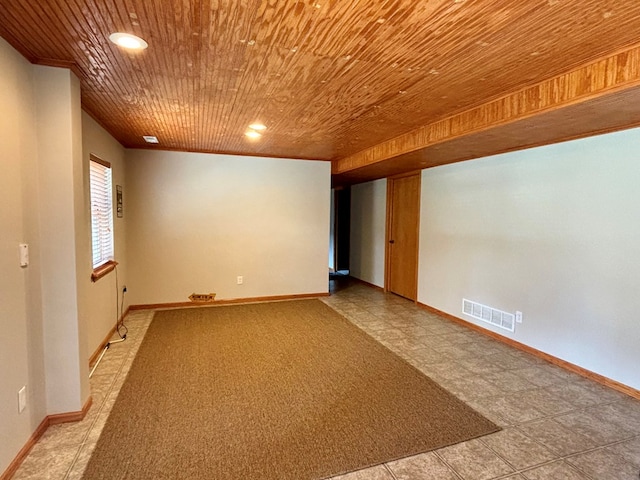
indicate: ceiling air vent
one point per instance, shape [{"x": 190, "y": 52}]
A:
[{"x": 490, "y": 315}]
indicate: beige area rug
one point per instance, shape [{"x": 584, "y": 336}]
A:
[{"x": 283, "y": 390}]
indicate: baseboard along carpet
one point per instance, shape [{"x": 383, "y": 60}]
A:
[{"x": 282, "y": 390}]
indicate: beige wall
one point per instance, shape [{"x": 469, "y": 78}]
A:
[
  {"x": 42, "y": 204},
  {"x": 552, "y": 232},
  {"x": 61, "y": 195},
  {"x": 21, "y": 360},
  {"x": 368, "y": 217},
  {"x": 99, "y": 298},
  {"x": 195, "y": 222}
]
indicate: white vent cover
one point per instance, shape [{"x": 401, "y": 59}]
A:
[{"x": 489, "y": 315}]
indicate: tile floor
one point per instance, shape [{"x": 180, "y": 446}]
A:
[{"x": 556, "y": 425}]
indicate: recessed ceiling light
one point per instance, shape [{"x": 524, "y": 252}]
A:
[
  {"x": 257, "y": 126},
  {"x": 150, "y": 139},
  {"x": 252, "y": 134},
  {"x": 128, "y": 41}
]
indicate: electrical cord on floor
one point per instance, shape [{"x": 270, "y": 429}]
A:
[{"x": 120, "y": 326}]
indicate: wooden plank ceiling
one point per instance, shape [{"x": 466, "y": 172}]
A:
[{"x": 338, "y": 80}]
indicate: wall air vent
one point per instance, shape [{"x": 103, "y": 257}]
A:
[{"x": 490, "y": 315}]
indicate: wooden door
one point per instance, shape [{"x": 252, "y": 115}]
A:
[{"x": 403, "y": 217}]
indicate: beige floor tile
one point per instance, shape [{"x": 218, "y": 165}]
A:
[
  {"x": 46, "y": 464},
  {"x": 426, "y": 466},
  {"x": 555, "y": 471},
  {"x": 576, "y": 394},
  {"x": 428, "y": 356},
  {"x": 514, "y": 361},
  {"x": 375, "y": 473},
  {"x": 605, "y": 465},
  {"x": 540, "y": 375},
  {"x": 405, "y": 344},
  {"x": 474, "y": 461},
  {"x": 543, "y": 400},
  {"x": 518, "y": 449},
  {"x": 480, "y": 365},
  {"x": 606, "y": 395},
  {"x": 509, "y": 382},
  {"x": 625, "y": 412},
  {"x": 65, "y": 435},
  {"x": 629, "y": 450},
  {"x": 511, "y": 412},
  {"x": 558, "y": 438},
  {"x": 469, "y": 388},
  {"x": 447, "y": 369},
  {"x": 601, "y": 430},
  {"x": 78, "y": 467},
  {"x": 486, "y": 407},
  {"x": 453, "y": 351}
]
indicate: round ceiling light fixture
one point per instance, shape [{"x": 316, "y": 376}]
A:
[
  {"x": 128, "y": 41},
  {"x": 253, "y": 131},
  {"x": 253, "y": 134}
]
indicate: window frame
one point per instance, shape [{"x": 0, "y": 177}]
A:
[{"x": 107, "y": 262}]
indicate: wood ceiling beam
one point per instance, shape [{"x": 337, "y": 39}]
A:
[{"x": 588, "y": 85}]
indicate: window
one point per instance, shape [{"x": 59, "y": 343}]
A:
[{"x": 101, "y": 217}]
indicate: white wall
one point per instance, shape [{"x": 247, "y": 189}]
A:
[
  {"x": 99, "y": 298},
  {"x": 197, "y": 221},
  {"x": 368, "y": 217},
  {"x": 551, "y": 231}
]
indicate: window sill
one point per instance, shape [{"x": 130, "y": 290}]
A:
[{"x": 103, "y": 270}]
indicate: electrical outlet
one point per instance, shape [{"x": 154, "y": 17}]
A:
[
  {"x": 22, "y": 399},
  {"x": 240, "y": 280},
  {"x": 518, "y": 317}
]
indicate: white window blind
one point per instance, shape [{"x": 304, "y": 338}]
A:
[{"x": 101, "y": 212}]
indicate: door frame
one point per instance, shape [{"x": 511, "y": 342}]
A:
[{"x": 387, "y": 234}]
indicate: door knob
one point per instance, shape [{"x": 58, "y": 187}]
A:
[{"x": 392, "y": 241}]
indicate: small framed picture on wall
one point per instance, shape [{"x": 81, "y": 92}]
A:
[{"x": 119, "y": 201}]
